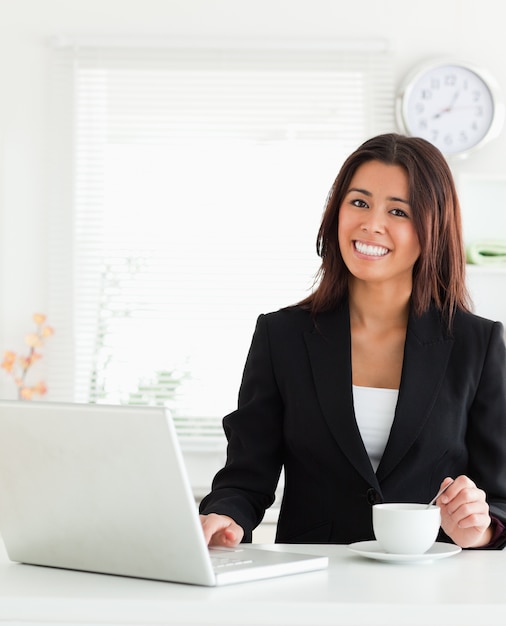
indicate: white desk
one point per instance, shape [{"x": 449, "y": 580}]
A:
[{"x": 466, "y": 589}]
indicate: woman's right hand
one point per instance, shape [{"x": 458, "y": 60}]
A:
[{"x": 221, "y": 530}]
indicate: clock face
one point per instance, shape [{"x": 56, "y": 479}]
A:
[{"x": 452, "y": 106}]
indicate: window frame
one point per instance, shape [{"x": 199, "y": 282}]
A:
[{"x": 73, "y": 345}]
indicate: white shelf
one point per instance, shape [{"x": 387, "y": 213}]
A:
[{"x": 499, "y": 268}]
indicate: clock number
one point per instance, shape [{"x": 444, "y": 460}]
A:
[{"x": 450, "y": 80}]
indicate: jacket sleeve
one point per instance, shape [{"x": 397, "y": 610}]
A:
[
  {"x": 486, "y": 434},
  {"x": 245, "y": 487}
]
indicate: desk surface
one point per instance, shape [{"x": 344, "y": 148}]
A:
[{"x": 465, "y": 589}]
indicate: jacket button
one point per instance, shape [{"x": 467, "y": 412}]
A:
[{"x": 373, "y": 497}]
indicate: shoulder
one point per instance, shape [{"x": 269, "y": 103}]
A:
[
  {"x": 474, "y": 335},
  {"x": 285, "y": 327},
  {"x": 431, "y": 327},
  {"x": 299, "y": 319},
  {"x": 470, "y": 335},
  {"x": 465, "y": 323},
  {"x": 287, "y": 319}
]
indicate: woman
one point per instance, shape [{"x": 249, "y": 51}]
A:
[{"x": 381, "y": 385}]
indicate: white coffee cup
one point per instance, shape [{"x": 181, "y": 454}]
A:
[{"x": 405, "y": 528}]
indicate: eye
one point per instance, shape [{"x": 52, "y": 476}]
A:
[
  {"x": 362, "y": 204},
  {"x": 399, "y": 213}
]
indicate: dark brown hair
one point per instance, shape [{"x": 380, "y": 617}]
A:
[{"x": 439, "y": 272}]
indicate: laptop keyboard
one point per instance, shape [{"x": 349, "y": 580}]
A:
[{"x": 222, "y": 559}]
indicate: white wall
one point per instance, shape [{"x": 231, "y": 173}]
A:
[{"x": 463, "y": 28}]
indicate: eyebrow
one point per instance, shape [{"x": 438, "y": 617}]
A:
[{"x": 369, "y": 194}]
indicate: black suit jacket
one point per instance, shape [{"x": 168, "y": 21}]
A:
[{"x": 296, "y": 411}]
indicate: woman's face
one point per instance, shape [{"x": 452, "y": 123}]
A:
[{"x": 377, "y": 236}]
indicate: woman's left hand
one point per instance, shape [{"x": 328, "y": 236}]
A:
[{"x": 465, "y": 514}]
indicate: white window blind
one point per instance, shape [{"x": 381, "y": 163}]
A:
[{"x": 188, "y": 190}]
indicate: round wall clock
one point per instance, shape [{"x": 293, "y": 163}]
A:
[{"x": 456, "y": 106}]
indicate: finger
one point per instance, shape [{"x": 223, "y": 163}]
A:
[
  {"x": 462, "y": 484},
  {"x": 473, "y": 514},
  {"x": 206, "y": 528},
  {"x": 465, "y": 497},
  {"x": 226, "y": 538},
  {"x": 468, "y": 510},
  {"x": 479, "y": 521},
  {"x": 211, "y": 524},
  {"x": 443, "y": 488},
  {"x": 220, "y": 530}
]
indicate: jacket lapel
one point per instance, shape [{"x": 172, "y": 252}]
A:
[
  {"x": 329, "y": 349},
  {"x": 426, "y": 355}
]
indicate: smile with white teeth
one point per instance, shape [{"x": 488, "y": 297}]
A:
[{"x": 364, "y": 248}]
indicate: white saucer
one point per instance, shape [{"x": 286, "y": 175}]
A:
[{"x": 372, "y": 550}]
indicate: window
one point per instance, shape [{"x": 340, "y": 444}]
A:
[{"x": 198, "y": 179}]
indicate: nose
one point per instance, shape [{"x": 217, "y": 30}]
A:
[{"x": 373, "y": 222}]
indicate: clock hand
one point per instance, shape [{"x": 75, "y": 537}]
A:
[
  {"x": 460, "y": 108},
  {"x": 449, "y": 107},
  {"x": 440, "y": 114},
  {"x": 455, "y": 96}
]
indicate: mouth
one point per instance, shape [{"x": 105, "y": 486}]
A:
[{"x": 370, "y": 250}]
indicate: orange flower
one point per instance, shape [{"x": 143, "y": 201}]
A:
[
  {"x": 39, "y": 318},
  {"x": 33, "y": 340},
  {"x": 9, "y": 356},
  {"x": 40, "y": 388},
  {"x": 17, "y": 366},
  {"x": 25, "y": 362},
  {"x": 26, "y": 393},
  {"x": 9, "y": 360}
]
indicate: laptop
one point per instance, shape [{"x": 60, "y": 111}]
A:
[{"x": 104, "y": 489}]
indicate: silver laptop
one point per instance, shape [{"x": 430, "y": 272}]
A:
[{"x": 104, "y": 489}]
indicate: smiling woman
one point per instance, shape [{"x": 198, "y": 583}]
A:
[{"x": 381, "y": 385}]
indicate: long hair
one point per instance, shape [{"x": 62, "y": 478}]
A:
[{"x": 439, "y": 272}]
